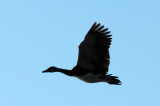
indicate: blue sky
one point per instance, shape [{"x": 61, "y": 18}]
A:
[{"x": 36, "y": 34}]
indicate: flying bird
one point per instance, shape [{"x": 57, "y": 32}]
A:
[{"x": 94, "y": 58}]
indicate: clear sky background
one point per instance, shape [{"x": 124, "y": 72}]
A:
[{"x": 36, "y": 34}]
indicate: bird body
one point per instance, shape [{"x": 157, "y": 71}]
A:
[
  {"x": 94, "y": 59},
  {"x": 91, "y": 78}
]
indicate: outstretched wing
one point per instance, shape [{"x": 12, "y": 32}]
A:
[{"x": 94, "y": 49}]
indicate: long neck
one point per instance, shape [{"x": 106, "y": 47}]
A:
[{"x": 64, "y": 71}]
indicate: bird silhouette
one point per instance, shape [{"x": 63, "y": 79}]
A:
[{"x": 94, "y": 58}]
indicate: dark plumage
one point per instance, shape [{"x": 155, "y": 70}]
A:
[{"x": 94, "y": 59}]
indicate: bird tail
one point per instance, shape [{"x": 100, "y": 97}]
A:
[{"x": 113, "y": 79}]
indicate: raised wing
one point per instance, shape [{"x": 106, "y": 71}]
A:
[{"x": 94, "y": 49}]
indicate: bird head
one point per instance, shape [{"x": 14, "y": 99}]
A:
[{"x": 50, "y": 69}]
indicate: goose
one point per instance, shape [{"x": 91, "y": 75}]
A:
[{"x": 93, "y": 59}]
